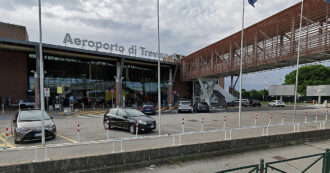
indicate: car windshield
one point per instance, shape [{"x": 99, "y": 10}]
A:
[
  {"x": 203, "y": 103},
  {"x": 185, "y": 103},
  {"x": 134, "y": 113},
  {"x": 32, "y": 116}
]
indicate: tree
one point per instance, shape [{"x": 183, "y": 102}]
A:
[{"x": 309, "y": 75}]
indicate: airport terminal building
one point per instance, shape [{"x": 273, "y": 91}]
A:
[{"x": 84, "y": 76}]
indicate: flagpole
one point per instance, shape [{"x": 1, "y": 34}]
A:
[
  {"x": 240, "y": 72},
  {"x": 159, "y": 98},
  {"x": 297, "y": 71}
]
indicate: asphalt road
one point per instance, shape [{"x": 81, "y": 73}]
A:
[{"x": 91, "y": 130}]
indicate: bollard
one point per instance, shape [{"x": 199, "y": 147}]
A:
[
  {"x": 35, "y": 155},
  {"x": 78, "y": 131},
  {"x": 283, "y": 117},
  {"x": 182, "y": 125},
  {"x": 6, "y": 138},
  {"x": 255, "y": 120},
  {"x": 323, "y": 126},
  {"x": 121, "y": 146},
  {"x": 317, "y": 114},
  {"x": 202, "y": 128},
  {"x": 108, "y": 128},
  {"x": 113, "y": 146},
  {"x": 326, "y": 116},
  {"x": 270, "y": 119},
  {"x": 137, "y": 128},
  {"x": 3, "y": 109},
  {"x": 224, "y": 122},
  {"x": 306, "y": 115}
]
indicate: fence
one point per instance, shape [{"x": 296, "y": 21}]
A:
[{"x": 264, "y": 167}]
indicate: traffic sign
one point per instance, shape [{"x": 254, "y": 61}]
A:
[
  {"x": 59, "y": 90},
  {"x": 47, "y": 92}
]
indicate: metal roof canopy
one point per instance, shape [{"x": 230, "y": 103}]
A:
[{"x": 49, "y": 49}]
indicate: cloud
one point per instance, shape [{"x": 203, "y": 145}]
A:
[{"x": 185, "y": 26}]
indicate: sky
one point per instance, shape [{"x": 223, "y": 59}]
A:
[{"x": 185, "y": 26}]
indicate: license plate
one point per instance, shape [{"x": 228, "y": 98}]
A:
[
  {"x": 37, "y": 134},
  {"x": 152, "y": 126}
]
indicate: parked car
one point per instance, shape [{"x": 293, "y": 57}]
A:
[
  {"x": 201, "y": 107},
  {"x": 148, "y": 108},
  {"x": 26, "y": 104},
  {"x": 184, "y": 106},
  {"x": 245, "y": 103},
  {"x": 276, "y": 103},
  {"x": 254, "y": 103},
  {"x": 26, "y": 126},
  {"x": 127, "y": 119}
]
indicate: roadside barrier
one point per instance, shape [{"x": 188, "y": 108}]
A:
[
  {"x": 6, "y": 138},
  {"x": 255, "y": 120},
  {"x": 270, "y": 119},
  {"x": 137, "y": 128},
  {"x": 326, "y": 116},
  {"x": 306, "y": 115},
  {"x": 78, "y": 131},
  {"x": 202, "y": 127},
  {"x": 224, "y": 122},
  {"x": 182, "y": 125},
  {"x": 283, "y": 117},
  {"x": 108, "y": 129}
]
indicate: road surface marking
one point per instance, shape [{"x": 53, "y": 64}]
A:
[
  {"x": 9, "y": 145},
  {"x": 71, "y": 140}
]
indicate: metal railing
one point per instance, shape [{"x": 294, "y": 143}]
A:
[{"x": 264, "y": 167}]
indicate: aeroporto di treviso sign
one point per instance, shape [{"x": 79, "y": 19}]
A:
[{"x": 99, "y": 46}]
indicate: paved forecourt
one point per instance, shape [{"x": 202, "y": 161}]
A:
[{"x": 198, "y": 128}]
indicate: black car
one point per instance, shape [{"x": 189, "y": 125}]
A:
[
  {"x": 148, "y": 109},
  {"x": 254, "y": 103},
  {"x": 127, "y": 119},
  {"x": 201, "y": 107}
]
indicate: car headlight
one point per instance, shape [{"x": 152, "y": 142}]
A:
[
  {"x": 142, "y": 122},
  {"x": 20, "y": 129},
  {"x": 50, "y": 126}
]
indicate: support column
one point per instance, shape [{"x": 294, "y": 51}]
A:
[
  {"x": 193, "y": 92},
  {"x": 117, "y": 77},
  {"x": 222, "y": 82},
  {"x": 170, "y": 88},
  {"x": 231, "y": 88}
]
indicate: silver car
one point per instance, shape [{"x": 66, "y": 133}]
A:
[
  {"x": 184, "y": 106},
  {"x": 276, "y": 103},
  {"x": 26, "y": 126}
]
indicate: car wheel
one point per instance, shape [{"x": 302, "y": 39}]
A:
[
  {"x": 132, "y": 129},
  {"x": 16, "y": 142}
]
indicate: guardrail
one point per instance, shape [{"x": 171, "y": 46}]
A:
[{"x": 263, "y": 167}]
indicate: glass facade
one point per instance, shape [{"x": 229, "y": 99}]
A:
[{"x": 91, "y": 81}]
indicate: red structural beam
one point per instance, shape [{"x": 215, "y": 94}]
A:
[{"x": 268, "y": 44}]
